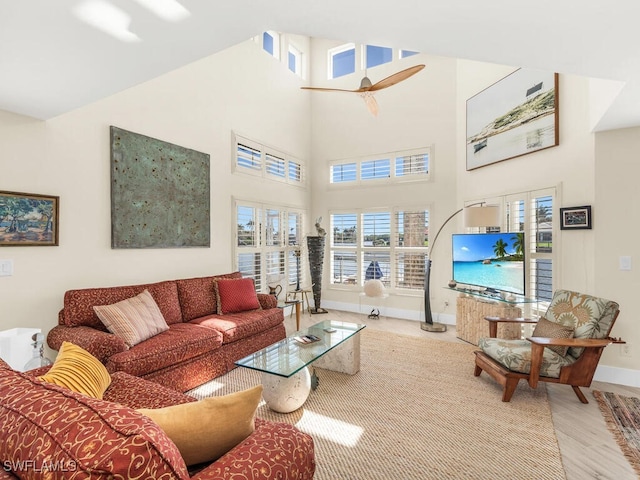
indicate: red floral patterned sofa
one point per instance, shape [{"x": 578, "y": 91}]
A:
[
  {"x": 199, "y": 345},
  {"x": 47, "y": 431}
]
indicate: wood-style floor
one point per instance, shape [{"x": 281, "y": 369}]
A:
[{"x": 588, "y": 449}]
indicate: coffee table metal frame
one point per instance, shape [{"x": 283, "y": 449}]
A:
[{"x": 284, "y": 365}]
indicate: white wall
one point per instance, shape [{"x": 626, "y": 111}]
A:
[{"x": 240, "y": 89}]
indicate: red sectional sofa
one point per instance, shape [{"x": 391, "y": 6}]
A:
[
  {"x": 200, "y": 344},
  {"x": 47, "y": 431}
]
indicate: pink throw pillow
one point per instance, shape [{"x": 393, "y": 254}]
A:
[{"x": 236, "y": 295}]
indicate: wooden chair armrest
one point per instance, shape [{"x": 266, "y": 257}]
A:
[
  {"x": 571, "y": 342},
  {"x": 494, "y": 321},
  {"x": 537, "y": 350}
]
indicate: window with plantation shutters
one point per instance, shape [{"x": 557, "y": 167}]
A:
[
  {"x": 275, "y": 166},
  {"x": 412, "y": 165},
  {"x": 395, "y": 167},
  {"x": 253, "y": 158},
  {"x": 249, "y": 158},
  {"x": 273, "y": 228},
  {"x": 390, "y": 246},
  {"x": 374, "y": 169},
  {"x": 410, "y": 248},
  {"x": 295, "y": 171},
  {"x": 343, "y": 172},
  {"x": 268, "y": 237}
]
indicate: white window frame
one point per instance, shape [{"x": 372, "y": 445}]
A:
[
  {"x": 276, "y": 43},
  {"x": 298, "y": 56},
  {"x": 332, "y": 52},
  {"x": 393, "y": 177},
  {"x": 283, "y": 243},
  {"x": 359, "y": 250},
  {"x": 267, "y": 154}
]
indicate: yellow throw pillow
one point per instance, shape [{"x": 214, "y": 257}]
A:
[
  {"x": 134, "y": 319},
  {"x": 205, "y": 430},
  {"x": 78, "y": 370}
]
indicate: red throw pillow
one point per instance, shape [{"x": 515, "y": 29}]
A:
[{"x": 236, "y": 295}]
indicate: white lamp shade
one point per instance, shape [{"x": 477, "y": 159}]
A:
[
  {"x": 374, "y": 288},
  {"x": 484, "y": 216}
]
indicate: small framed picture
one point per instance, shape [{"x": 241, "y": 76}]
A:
[
  {"x": 28, "y": 219},
  {"x": 575, "y": 218}
]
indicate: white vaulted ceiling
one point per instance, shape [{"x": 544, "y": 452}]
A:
[{"x": 55, "y": 55}]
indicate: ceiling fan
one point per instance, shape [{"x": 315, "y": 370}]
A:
[{"x": 367, "y": 89}]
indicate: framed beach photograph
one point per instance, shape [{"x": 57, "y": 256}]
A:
[
  {"x": 575, "y": 218},
  {"x": 513, "y": 117},
  {"x": 28, "y": 219}
]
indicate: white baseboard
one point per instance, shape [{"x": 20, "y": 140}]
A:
[
  {"x": 619, "y": 376},
  {"x": 604, "y": 373},
  {"x": 448, "y": 319}
]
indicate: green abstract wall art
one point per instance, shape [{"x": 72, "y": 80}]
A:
[{"x": 159, "y": 193}]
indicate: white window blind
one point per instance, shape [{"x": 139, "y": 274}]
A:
[
  {"x": 275, "y": 165},
  {"x": 247, "y": 226},
  {"x": 248, "y": 157},
  {"x": 273, "y": 228},
  {"x": 295, "y": 171},
  {"x": 343, "y": 172},
  {"x": 373, "y": 169},
  {"x": 344, "y": 227},
  {"x": 376, "y": 229},
  {"x": 412, "y": 165}
]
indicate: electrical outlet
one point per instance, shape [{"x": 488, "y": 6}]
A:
[{"x": 625, "y": 350}]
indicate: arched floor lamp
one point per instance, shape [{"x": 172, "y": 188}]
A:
[{"x": 474, "y": 216}]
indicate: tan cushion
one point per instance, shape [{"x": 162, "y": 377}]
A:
[
  {"x": 78, "y": 370},
  {"x": 548, "y": 329},
  {"x": 134, "y": 319},
  {"x": 205, "y": 430}
]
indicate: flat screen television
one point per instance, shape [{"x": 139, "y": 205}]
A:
[{"x": 494, "y": 261}]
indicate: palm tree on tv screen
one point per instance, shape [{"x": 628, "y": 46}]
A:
[
  {"x": 500, "y": 248},
  {"x": 518, "y": 243}
]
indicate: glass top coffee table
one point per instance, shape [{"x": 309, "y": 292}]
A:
[{"x": 285, "y": 377}]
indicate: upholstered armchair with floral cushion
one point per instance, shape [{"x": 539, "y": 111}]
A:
[{"x": 565, "y": 346}]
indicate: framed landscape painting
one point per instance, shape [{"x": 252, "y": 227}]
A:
[
  {"x": 514, "y": 116},
  {"x": 28, "y": 219}
]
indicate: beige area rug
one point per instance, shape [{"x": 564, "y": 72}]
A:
[
  {"x": 415, "y": 411},
  {"x": 622, "y": 415}
]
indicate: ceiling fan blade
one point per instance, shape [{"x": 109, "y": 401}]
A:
[
  {"x": 372, "y": 104},
  {"x": 322, "y": 89},
  {"x": 396, "y": 78}
]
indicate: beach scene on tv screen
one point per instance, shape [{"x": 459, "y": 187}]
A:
[{"x": 491, "y": 260}]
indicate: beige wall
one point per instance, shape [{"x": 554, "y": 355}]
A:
[
  {"x": 241, "y": 89},
  {"x": 616, "y": 211}
]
